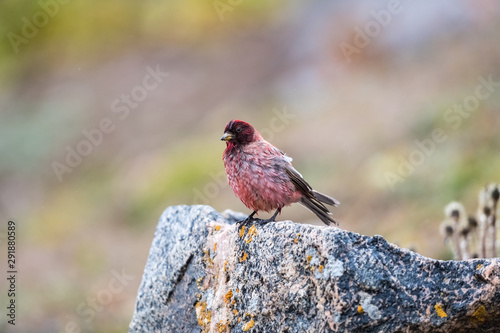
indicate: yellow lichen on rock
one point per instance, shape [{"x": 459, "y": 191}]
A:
[
  {"x": 360, "y": 309},
  {"x": 221, "y": 327},
  {"x": 480, "y": 314},
  {"x": 228, "y": 296},
  {"x": 439, "y": 310},
  {"x": 208, "y": 261},
  {"x": 244, "y": 257},
  {"x": 296, "y": 240},
  {"x": 242, "y": 231},
  {"x": 199, "y": 282},
  {"x": 248, "y": 325},
  {"x": 217, "y": 227},
  {"x": 203, "y": 315},
  {"x": 251, "y": 232}
]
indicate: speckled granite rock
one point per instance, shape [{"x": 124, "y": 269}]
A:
[{"x": 205, "y": 275}]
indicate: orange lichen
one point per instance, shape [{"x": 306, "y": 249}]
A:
[
  {"x": 479, "y": 266},
  {"x": 199, "y": 282},
  {"x": 296, "y": 239},
  {"x": 203, "y": 315},
  {"x": 221, "y": 327},
  {"x": 225, "y": 264},
  {"x": 248, "y": 325},
  {"x": 244, "y": 258},
  {"x": 360, "y": 309},
  {"x": 237, "y": 290},
  {"x": 251, "y": 232},
  {"x": 320, "y": 268},
  {"x": 217, "y": 227},
  {"x": 439, "y": 310},
  {"x": 309, "y": 258},
  {"x": 480, "y": 314},
  {"x": 209, "y": 262},
  {"x": 227, "y": 298},
  {"x": 239, "y": 319},
  {"x": 242, "y": 231},
  {"x": 215, "y": 247},
  {"x": 235, "y": 312}
]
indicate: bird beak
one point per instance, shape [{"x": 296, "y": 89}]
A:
[{"x": 227, "y": 136}]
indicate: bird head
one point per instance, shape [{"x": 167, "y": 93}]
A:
[{"x": 238, "y": 132}]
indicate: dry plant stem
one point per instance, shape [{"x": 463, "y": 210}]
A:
[
  {"x": 464, "y": 246},
  {"x": 464, "y": 249},
  {"x": 483, "y": 220},
  {"x": 473, "y": 237},
  {"x": 456, "y": 239},
  {"x": 493, "y": 231}
]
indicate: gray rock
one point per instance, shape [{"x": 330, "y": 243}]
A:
[{"x": 205, "y": 275}]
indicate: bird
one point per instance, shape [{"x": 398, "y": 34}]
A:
[{"x": 263, "y": 177}]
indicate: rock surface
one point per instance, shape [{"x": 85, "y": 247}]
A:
[{"x": 204, "y": 274}]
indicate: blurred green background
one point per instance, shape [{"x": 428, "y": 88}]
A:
[{"x": 345, "y": 88}]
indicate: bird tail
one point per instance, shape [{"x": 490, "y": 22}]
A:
[
  {"x": 314, "y": 205},
  {"x": 325, "y": 198}
]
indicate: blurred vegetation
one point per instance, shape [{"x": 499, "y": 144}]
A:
[{"x": 352, "y": 123}]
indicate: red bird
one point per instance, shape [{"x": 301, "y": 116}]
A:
[{"x": 263, "y": 177}]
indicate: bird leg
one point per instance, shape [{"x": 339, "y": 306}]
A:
[
  {"x": 249, "y": 219},
  {"x": 272, "y": 219}
]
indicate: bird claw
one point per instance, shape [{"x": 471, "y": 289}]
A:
[
  {"x": 246, "y": 221},
  {"x": 250, "y": 219},
  {"x": 272, "y": 219}
]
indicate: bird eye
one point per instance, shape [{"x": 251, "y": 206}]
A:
[{"x": 238, "y": 129}]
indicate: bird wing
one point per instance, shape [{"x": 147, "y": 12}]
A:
[
  {"x": 298, "y": 181},
  {"x": 306, "y": 189}
]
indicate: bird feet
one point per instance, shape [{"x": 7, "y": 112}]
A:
[
  {"x": 251, "y": 219},
  {"x": 272, "y": 219},
  {"x": 248, "y": 220}
]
